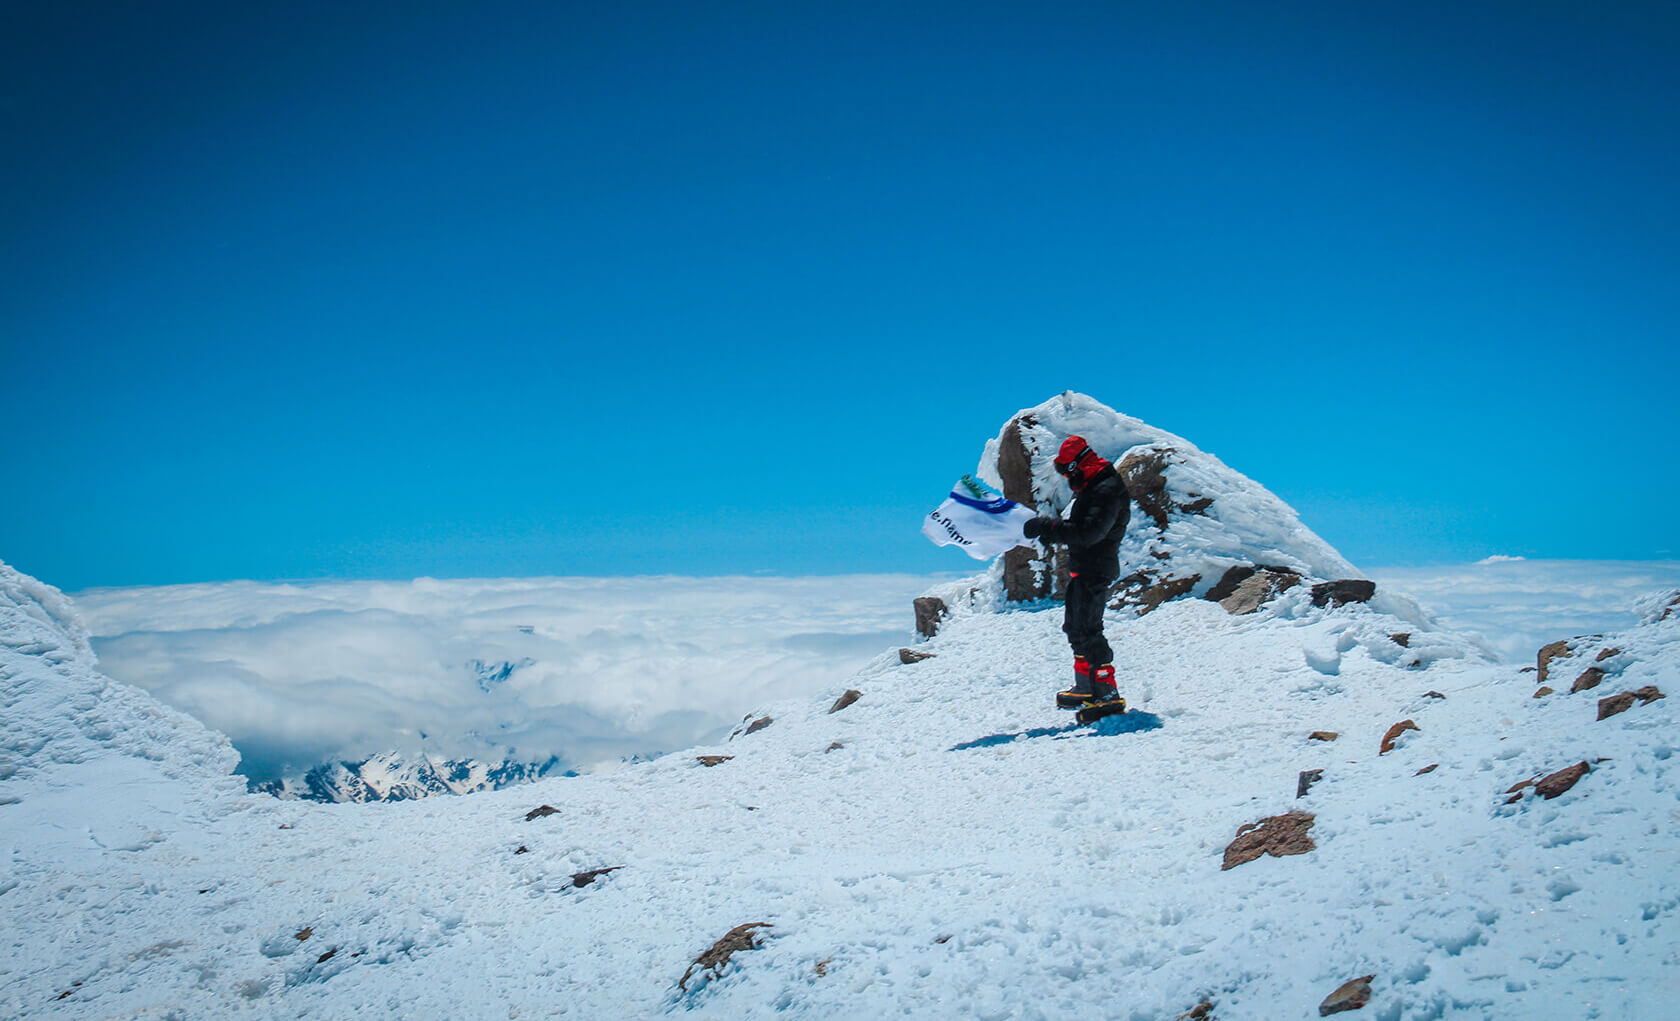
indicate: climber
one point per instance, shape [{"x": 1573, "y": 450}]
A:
[{"x": 1091, "y": 531}]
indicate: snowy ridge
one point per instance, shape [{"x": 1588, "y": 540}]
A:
[
  {"x": 945, "y": 846},
  {"x": 393, "y": 776}
]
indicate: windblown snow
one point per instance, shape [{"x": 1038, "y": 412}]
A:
[{"x": 945, "y": 845}]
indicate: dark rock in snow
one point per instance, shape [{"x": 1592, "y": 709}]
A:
[
  {"x": 1648, "y": 694},
  {"x": 1611, "y": 705},
  {"x": 1604, "y": 654},
  {"x": 742, "y": 937},
  {"x": 1200, "y": 1012},
  {"x": 851, "y": 695},
  {"x": 1323, "y": 735},
  {"x": 930, "y": 610},
  {"x": 1146, "y": 591},
  {"x": 1394, "y": 733},
  {"x": 1432, "y": 767},
  {"x": 580, "y": 879},
  {"x": 1278, "y": 835},
  {"x": 712, "y": 760},
  {"x": 1350, "y": 995},
  {"x": 1433, "y": 694},
  {"x": 540, "y": 811},
  {"x": 909, "y": 656},
  {"x": 759, "y": 724},
  {"x": 1304, "y": 782},
  {"x": 1543, "y": 691},
  {"x": 834, "y": 747},
  {"x": 1402, "y": 639},
  {"x": 1027, "y": 573},
  {"x": 1145, "y": 475},
  {"x": 1258, "y": 588},
  {"x": 1589, "y": 679},
  {"x": 1549, "y": 787},
  {"x": 1344, "y": 591},
  {"x": 1555, "y": 650}
]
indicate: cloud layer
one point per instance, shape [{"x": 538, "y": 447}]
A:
[{"x": 591, "y": 670}]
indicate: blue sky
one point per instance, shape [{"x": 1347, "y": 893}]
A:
[{"x": 288, "y": 291}]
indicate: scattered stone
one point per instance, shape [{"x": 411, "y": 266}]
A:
[
  {"x": 1394, "y": 733},
  {"x": 1402, "y": 639},
  {"x": 742, "y": 937},
  {"x": 1433, "y": 694},
  {"x": 1428, "y": 769},
  {"x": 944, "y": 939},
  {"x": 1549, "y": 787},
  {"x": 539, "y": 812},
  {"x": 324, "y": 958},
  {"x": 1278, "y": 835},
  {"x": 712, "y": 760},
  {"x": 822, "y": 966},
  {"x": 930, "y": 610},
  {"x": 1200, "y": 1012},
  {"x": 909, "y": 656},
  {"x": 1146, "y": 591},
  {"x": 1323, "y": 735},
  {"x": 306, "y": 932},
  {"x": 836, "y": 746},
  {"x": 1513, "y": 799},
  {"x": 1197, "y": 506},
  {"x": 1555, "y": 650},
  {"x": 1589, "y": 679},
  {"x": 522, "y": 849},
  {"x": 1254, "y": 591},
  {"x": 1527, "y": 670},
  {"x": 1605, "y": 654},
  {"x": 1610, "y": 705},
  {"x": 1516, "y": 788},
  {"x": 1304, "y": 782},
  {"x": 580, "y": 879},
  {"x": 851, "y": 695},
  {"x": 1350, "y": 995},
  {"x": 1543, "y": 691},
  {"x": 759, "y": 724},
  {"x": 1344, "y": 591}
]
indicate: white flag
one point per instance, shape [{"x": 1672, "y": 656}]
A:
[{"x": 982, "y": 527}]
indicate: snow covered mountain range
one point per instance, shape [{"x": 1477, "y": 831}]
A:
[{"x": 1317, "y": 803}]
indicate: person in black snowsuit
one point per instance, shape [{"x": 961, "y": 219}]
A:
[{"x": 1092, "y": 531}]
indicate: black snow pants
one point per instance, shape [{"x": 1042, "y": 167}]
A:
[{"x": 1087, "y": 597}]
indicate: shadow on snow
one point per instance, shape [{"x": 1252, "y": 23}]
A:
[{"x": 1108, "y": 726}]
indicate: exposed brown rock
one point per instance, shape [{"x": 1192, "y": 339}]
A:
[
  {"x": 1394, "y": 733},
  {"x": 1254, "y": 591},
  {"x": 1648, "y": 694},
  {"x": 822, "y": 967},
  {"x": 1323, "y": 735},
  {"x": 851, "y": 695},
  {"x": 1350, "y": 995},
  {"x": 1433, "y": 694},
  {"x": 1589, "y": 679},
  {"x": 1432, "y": 767},
  {"x": 1146, "y": 591},
  {"x": 1144, "y": 472},
  {"x": 1543, "y": 691},
  {"x": 1343, "y": 591},
  {"x": 930, "y": 610},
  {"x": 1228, "y": 583},
  {"x": 1027, "y": 575},
  {"x": 834, "y": 747},
  {"x": 1278, "y": 835},
  {"x": 1200, "y": 1012},
  {"x": 1604, "y": 654},
  {"x": 1197, "y": 506},
  {"x": 1402, "y": 639},
  {"x": 324, "y": 958},
  {"x": 1304, "y": 782},
  {"x": 712, "y": 760},
  {"x": 1551, "y": 786},
  {"x": 909, "y": 656},
  {"x": 540, "y": 811},
  {"x": 1610, "y": 705},
  {"x": 1517, "y": 787},
  {"x": 1555, "y": 650},
  {"x": 306, "y": 932},
  {"x": 585, "y": 878},
  {"x": 742, "y": 937},
  {"x": 759, "y": 724}
]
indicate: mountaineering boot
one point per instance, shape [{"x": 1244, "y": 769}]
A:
[
  {"x": 1102, "y": 684},
  {"x": 1081, "y": 692}
]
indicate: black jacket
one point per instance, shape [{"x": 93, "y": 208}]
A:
[{"x": 1094, "y": 526}]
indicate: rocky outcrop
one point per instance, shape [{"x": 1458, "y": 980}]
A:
[
  {"x": 540, "y": 811},
  {"x": 1611, "y": 705},
  {"x": 909, "y": 656},
  {"x": 1394, "y": 733},
  {"x": 1028, "y": 573},
  {"x": 930, "y": 610},
  {"x": 1350, "y": 995},
  {"x": 1305, "y": 781},
  {"x": 715, "y": 959},
  {"x": 1343, "y": 591},
  {"x": 851, "y": 695},
  {"x": 1551, "y": 786},
  {"x": 712, "y": 760},
  {"x": 1146, "y": 591},
  {"x": 582, "y": 879},
  {"x": 1590, "y": 678},
  {"x": 1278, "y": 835},
  {"x": 1555, "y": 650}
]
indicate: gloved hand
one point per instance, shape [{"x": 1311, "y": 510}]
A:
[{"x": 1035, "y": 527}]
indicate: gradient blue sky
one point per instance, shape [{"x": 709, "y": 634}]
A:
[{"x": 293, "y": 291}]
